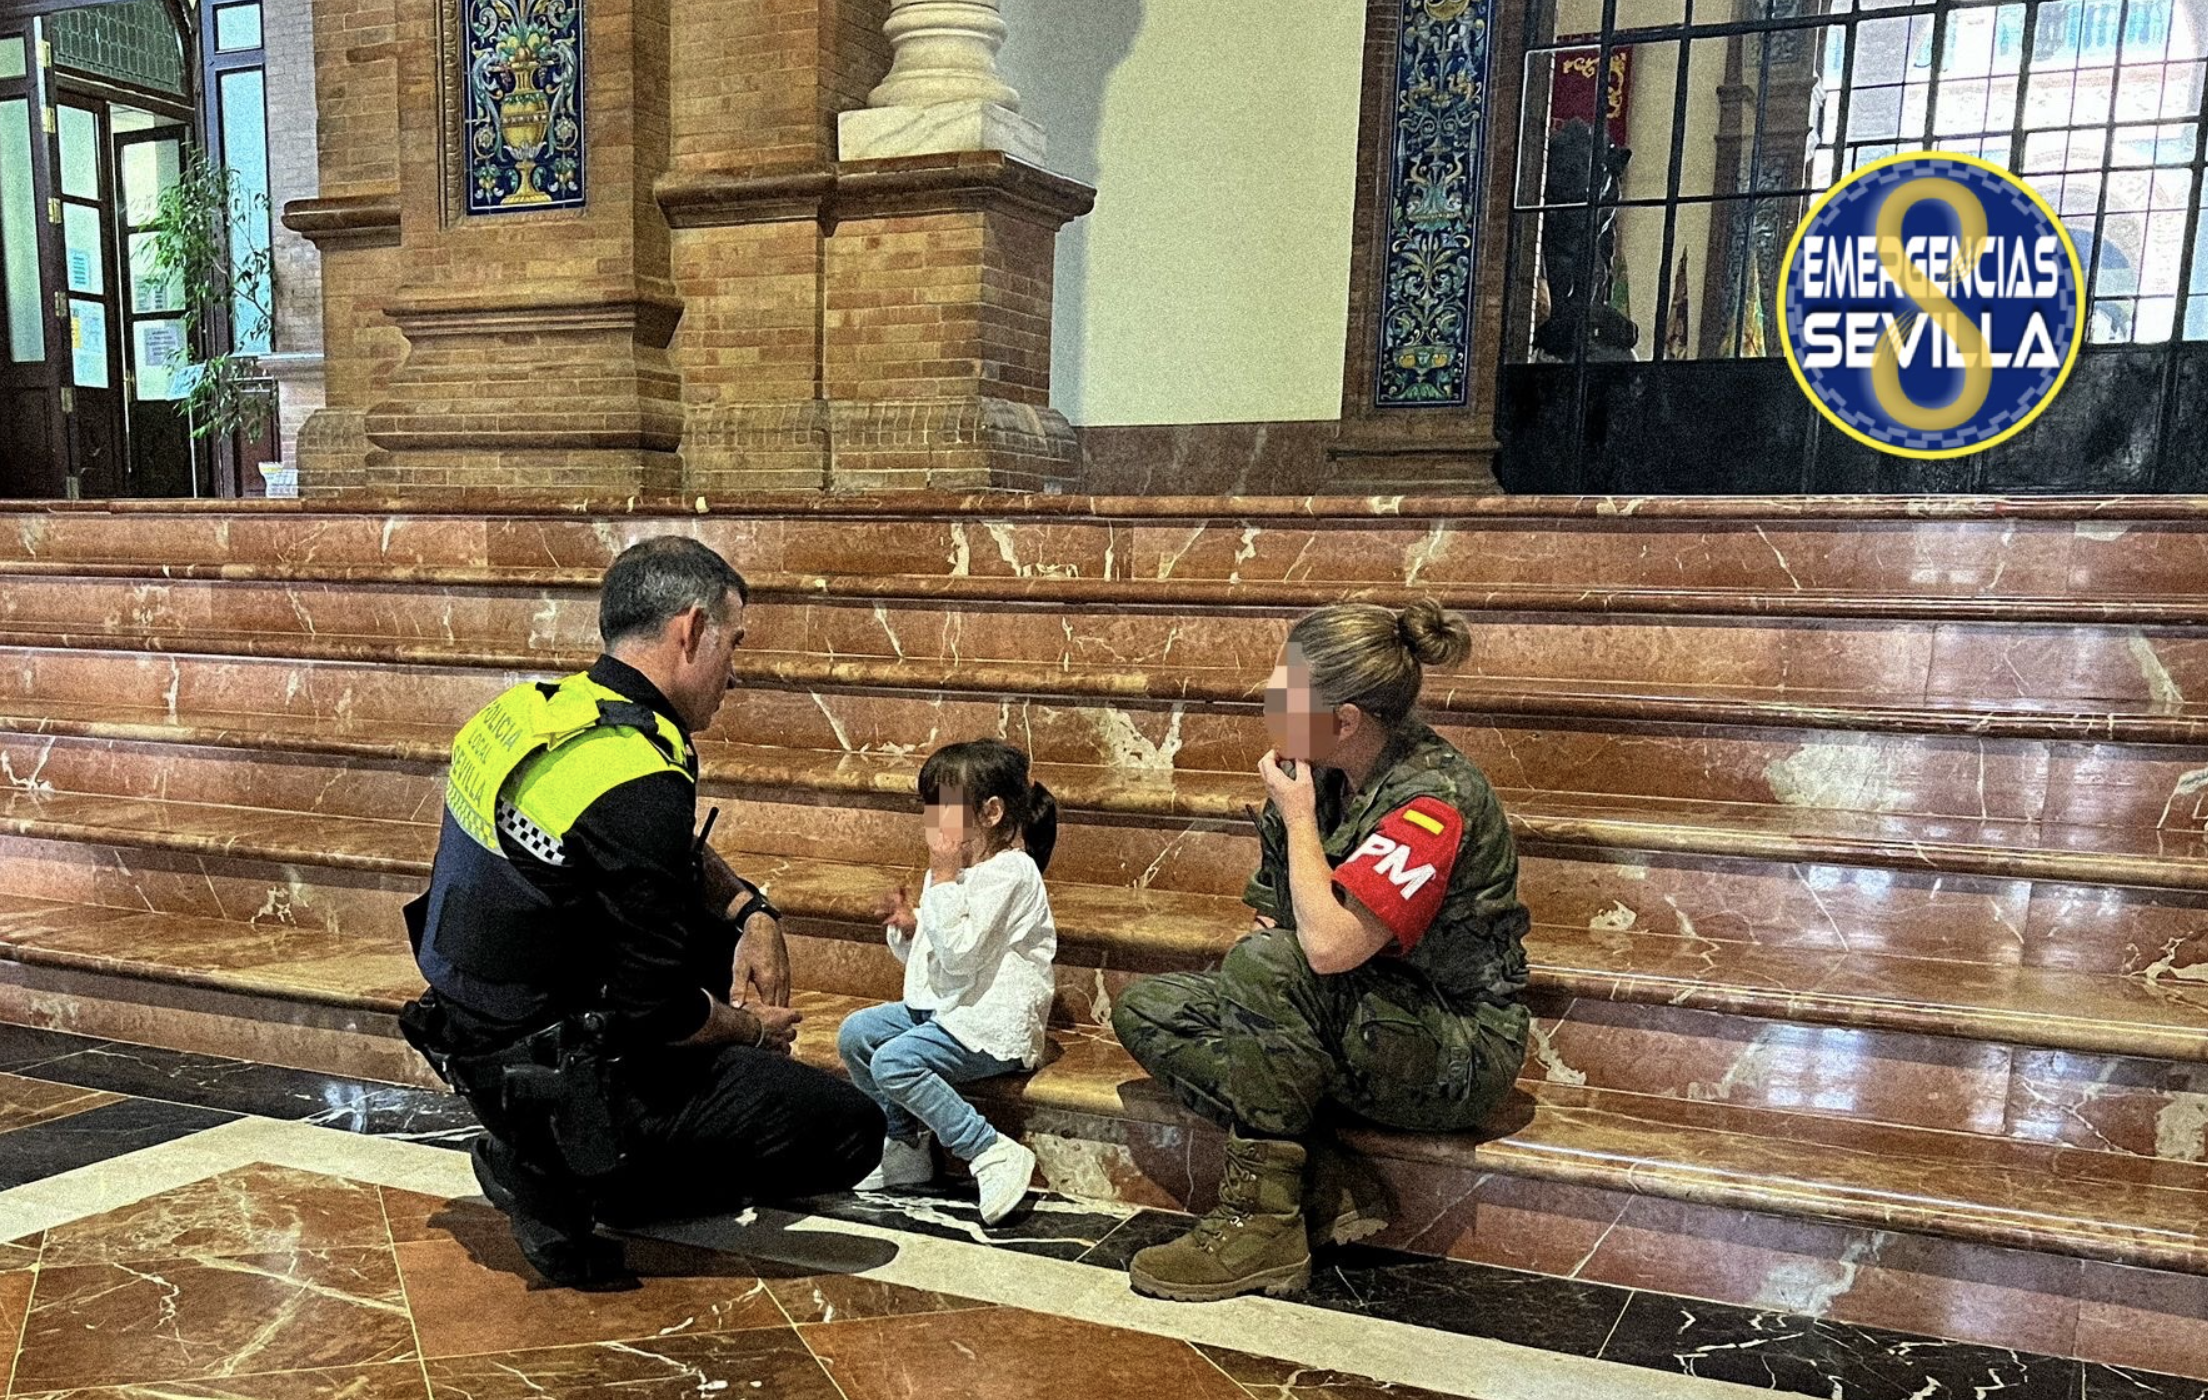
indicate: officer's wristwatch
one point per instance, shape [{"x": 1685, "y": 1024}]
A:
[{"x": 758, "y": 903}]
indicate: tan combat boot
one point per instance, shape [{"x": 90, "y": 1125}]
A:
[
  {"x": 1344, "y": 1200},
  {"x": 1253, "y": 1239}
]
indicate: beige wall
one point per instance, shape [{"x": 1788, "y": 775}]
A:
[{"x": 1212, "y": 281}]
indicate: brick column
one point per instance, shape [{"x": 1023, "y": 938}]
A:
[
  {"x": 903, "y": 308},
  {"x": 536, "y": 342},
  {"x": 732, "y": 309},
  {"x": 354, "y": 223}
]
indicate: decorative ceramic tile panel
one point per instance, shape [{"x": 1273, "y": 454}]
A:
[
  {"x": 1435, "y": 166},
  {"x": 524, "y": 68}
]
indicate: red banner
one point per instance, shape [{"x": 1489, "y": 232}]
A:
[{"x": 1572, "y": 88}]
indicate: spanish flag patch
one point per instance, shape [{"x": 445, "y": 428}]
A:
[{"x": 1422, "y": 821}]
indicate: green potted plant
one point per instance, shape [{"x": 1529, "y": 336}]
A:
[{"x": 222, "y": 275}]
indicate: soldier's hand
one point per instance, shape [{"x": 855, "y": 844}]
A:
[
  {"x": 761, "y": 973},
  {"x": 779, "y": 1024},
  {"x": 1293, "y": 793}
]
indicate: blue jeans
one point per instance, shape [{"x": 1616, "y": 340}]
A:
[{"x": 904, "y": 1061}]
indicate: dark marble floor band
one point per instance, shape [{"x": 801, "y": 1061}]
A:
[
  {"x": 137, "y": 1096},
  {"x": 63, "y": 1144},
  {"x": 239, "y": 1086},
  {"x": 1716, "y": 1341}
]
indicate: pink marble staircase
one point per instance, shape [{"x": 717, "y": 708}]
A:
[{"x": 1863, "y": 837}]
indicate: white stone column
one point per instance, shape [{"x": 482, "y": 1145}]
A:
[{"x": 943, "y": 92}]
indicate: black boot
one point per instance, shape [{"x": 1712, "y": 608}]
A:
[{"x": 551, "y": 1222}]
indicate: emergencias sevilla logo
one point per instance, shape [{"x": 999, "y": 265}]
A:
[{"x": 1930, "y": 305}]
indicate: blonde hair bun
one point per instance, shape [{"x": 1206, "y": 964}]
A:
[{"x": 1435, "y": 636}]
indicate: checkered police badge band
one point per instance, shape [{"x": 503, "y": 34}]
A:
[{"x": 533, "y": 838}]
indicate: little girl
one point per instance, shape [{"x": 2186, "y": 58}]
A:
[{"x": 977, "y": 955}]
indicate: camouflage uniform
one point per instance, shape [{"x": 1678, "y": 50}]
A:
[{"x": 1429, "y": 1041}]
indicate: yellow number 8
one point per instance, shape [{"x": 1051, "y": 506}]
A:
[{"x": 1931, "y": 299}]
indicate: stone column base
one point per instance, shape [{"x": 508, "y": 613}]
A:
[
  {"x": 962, "y": 444},
  {"x": 334, "y": 453},
  {"x": 886, "y": 133},
  {"x": 1408, "y": 469},
  {"x": 553, "y": 474},
  {"x": 968, "y": 444},
  {"x": 513, "y": 395},
  {"x": 735, "y": 449}
]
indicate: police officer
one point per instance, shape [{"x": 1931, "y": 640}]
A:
[
  {"x": 609, "y": 995},
  {"x": 1381, "y": 977}
]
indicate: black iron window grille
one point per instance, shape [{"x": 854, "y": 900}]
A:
[{"x": 1649, "y": 223}]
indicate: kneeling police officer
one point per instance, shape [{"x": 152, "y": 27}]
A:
[{"x": 610, "y": 997}]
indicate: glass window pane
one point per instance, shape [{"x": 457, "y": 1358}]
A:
[
  {"x": 85, "y": 268},
  {"x": 88, "y": 339},
  {"x": 149, "y": 291},
  {"x": 238, "y": 27},
  {"x": 134, "y": 42},
  {"x": 12, "y": 55},
  {"x": 80, "y": 153},
  {"x": 1705, "y": 168},
  {"x": 148, "y": 168},
  {"x": 19, "y": 287},
  {"x": 245, "y": 145},
  {"x": 157, "y": 352}
]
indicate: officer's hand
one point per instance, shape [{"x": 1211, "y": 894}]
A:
[
  {"x": 761, "y": 973},
  {"x": 779, "y": 1023},
  {"x": 1294, "y": 794}
]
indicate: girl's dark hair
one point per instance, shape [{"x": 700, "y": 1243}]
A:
[{"x": 980, "y": 769}]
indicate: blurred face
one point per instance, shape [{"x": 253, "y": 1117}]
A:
[
  {"x": 958, "y": 823},
  {"x": 705, "y": 669},
  {"x": 1299, "y": 724},
  {"x": 948, "y": 818}
]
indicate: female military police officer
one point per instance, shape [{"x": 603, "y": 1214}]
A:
[{"x": 1382, "y": 974}]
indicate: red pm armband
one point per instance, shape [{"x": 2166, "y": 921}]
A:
[{"x": 1401, "y": 871}]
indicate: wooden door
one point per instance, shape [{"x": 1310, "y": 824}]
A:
[
  {"x": 162, "y": 455},
  {"x": 98, "y": 450}
]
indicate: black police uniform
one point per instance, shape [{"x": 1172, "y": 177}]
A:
[{"x": 567, "y": 945}]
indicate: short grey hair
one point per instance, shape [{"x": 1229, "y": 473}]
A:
[{"x": 657, "y": 580}]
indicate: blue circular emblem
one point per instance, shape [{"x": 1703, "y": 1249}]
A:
[{"x": 1929, "y": 305}]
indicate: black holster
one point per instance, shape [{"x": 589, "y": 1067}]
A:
[{"x": 556, "y": 1084}]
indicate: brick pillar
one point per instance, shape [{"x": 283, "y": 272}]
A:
[
  {"x": 354, "y": 223},
  {"x": 732, "y": 309},
  {"x": 536, "y": 341},
  {"x": 900, "y": 308}
]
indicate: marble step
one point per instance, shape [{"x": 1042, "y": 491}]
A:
[
  {"x": 1620, "y": 747},
  {"x": 871, "y": 790},
  {"x": 1295, "y": 596},
  {"x": 1728, "y": 663},
  {"x": 2113, "y": 547},
  {"x": 2122, "y": 1106},
  {"x": 2093, "y": 1204},
  {"x": 1942, "y": 957}
]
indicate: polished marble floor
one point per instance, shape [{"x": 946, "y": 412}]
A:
[{"x": 184, "y": 1226}]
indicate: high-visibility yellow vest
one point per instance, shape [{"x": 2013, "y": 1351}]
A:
[{"x": 530, "y": 763}]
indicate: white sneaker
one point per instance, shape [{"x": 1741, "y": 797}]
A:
[
  {"x": 903, "y": 1164},
  {"x": 1003, "y": 1172}
]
